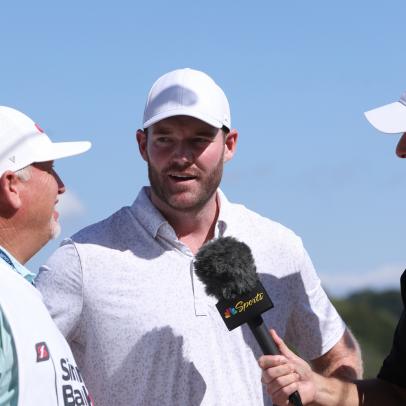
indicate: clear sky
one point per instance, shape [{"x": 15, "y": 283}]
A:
[{"x": 298, "y": 75}]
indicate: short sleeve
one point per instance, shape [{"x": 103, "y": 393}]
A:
[
  {"x": 315, "y": 325},
  {"x": 60, "y": 283}
]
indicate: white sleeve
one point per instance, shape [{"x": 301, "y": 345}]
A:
[
  {"x": 60, "y": 283},
  {"x": 314, "y": 326}
]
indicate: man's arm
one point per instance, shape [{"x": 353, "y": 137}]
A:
[
  {"x": 283, "y": 374},
  {"x": 316, "y": 330},
  {"x": 60, "y": 283},
  {"x": 342, "y": 361}
]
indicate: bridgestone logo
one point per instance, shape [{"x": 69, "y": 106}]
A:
[{"x": 42, "y": 352}]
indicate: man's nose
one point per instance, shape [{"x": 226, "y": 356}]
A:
[
  {"x": 61, "y": 185},
  {"x": 401, "y": 147},
  {"x": 183, "y": 152}
]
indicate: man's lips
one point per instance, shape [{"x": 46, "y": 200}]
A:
[{"x": 181, "y": 177}]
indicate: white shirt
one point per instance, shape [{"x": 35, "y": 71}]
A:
[{"x": 143, "y": 330}]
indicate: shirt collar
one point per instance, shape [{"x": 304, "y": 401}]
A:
[
  {"x": 155, "y": 223},
  {"x": 225, "y": 214},
  {"x": 147, "y": 214},
  {"x": 16, "y": 266}
]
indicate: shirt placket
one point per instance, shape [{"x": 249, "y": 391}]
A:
[{"x": 199, "y": 294}]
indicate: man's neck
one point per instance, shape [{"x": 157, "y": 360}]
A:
[
  {"x": 16, "y": 243},
  {"x": 199, "y": 231},
  {"x": 194, "y": 228},
  {"x": 11, "y": 248}
]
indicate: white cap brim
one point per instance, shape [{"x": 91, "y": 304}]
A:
[
  {"x": 39, "y": 148},
  {"x": 184, "y": 112},
  {"x": 23, "y": 142},
  {"x": 390, "y": 119},
  {"x": 57, "y": 150}
]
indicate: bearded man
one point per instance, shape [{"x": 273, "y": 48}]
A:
[{"x": 140, "y": 323}]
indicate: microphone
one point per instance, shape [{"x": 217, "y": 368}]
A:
[{"x": 227, "y": 269}]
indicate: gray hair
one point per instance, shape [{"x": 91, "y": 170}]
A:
[{"x": 24, "y": 174}]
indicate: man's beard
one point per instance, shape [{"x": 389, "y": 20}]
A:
[
  {"x": 207, "y": 187},
  {"x": 55, "y": 228}
]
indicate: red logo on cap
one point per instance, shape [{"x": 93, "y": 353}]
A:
[{"x": 39, "y": 128}]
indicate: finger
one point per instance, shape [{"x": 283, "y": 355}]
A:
[
  {"x": 281, "y": 396},
  {"x": 270, "y": 374},
  {"x": 269, "y": 361},
  {"x": 284, "y": 381},
  {"x": 283, "y": 348}
]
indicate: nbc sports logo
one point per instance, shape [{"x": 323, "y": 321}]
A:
[{"x": 230, "y": 311}]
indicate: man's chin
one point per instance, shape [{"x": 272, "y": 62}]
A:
[{"x": 187, "y": 205}]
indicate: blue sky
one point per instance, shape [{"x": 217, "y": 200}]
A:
[{"x": 298, "y": 75}]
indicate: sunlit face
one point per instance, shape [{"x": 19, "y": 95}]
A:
[
  {"x": 42, "y": 192},
  {"x": 401, "y": 147},
  {"x": 185, "y": 159}
]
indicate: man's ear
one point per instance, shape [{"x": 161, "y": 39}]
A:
[
  {"x": 142, "y": 144},
  {"x": 10, "y": 193},
  {"x": 230, "y": 144}
]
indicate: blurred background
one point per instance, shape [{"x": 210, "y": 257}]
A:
[{"x": 298, "y": 75}]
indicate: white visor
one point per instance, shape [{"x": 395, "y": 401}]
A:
[{"x": 390, "y": 118}]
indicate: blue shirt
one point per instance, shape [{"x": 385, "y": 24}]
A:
[{"x": 8, "y": 356}]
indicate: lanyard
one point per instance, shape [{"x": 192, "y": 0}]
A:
[
  {"x": 16, "y": 266},
  {"x": 6, "y": 259}
]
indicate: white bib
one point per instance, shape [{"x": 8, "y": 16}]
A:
[{"x": 47, "y": 372}]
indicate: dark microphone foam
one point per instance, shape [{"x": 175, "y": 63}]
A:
[{"x": 227, "y": 268}]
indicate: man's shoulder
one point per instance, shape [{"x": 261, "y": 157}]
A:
[
  {"x": 120, "y": 225},
  {"x": 104, "y": 230},
  {"x": 244, "y": 218},
  {"x": 109, "y": 233}
]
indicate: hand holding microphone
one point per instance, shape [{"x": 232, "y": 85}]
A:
[
  {"x": 283, "y": 374},
  {"x": 227, "y": 268}
]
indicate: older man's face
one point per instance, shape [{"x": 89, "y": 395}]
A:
[
  {"x": 401, "y": 148},
  {"x": 41, "y": 196}
]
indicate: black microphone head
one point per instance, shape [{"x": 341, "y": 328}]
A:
[{"x": 227, "y": 268}]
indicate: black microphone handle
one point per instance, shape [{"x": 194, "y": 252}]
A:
[{"x": 269, "y": 347}]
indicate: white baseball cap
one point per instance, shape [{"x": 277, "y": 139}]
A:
[
  {"x": 390, "y": 118},
  {"x": 187, "y": 92},
  {"x": 23, "y": 142}
]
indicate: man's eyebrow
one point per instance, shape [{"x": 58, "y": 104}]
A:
[
  {"x": 162, "y": 130},
  {"x": 206, "y": 133}
]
